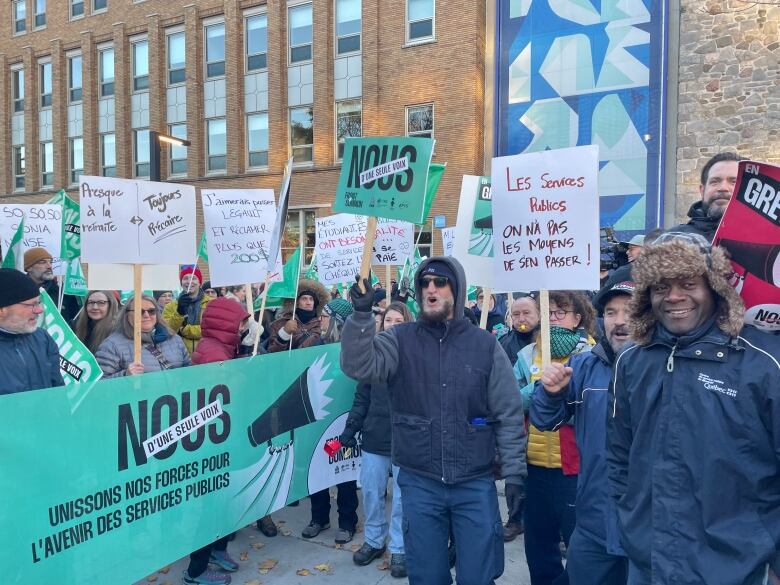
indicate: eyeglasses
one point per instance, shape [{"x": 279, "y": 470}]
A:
[
  {"x": 147, "y": 312},
  {"x": 438, "y": 281},
  {"x": 31, "y": 306},
  {"x": 97, "y": 303},
  {"x": 559, "y": 314}
]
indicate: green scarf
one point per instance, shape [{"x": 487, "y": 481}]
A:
[{"x": 563, "y": 341}]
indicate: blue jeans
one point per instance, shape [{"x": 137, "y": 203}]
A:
[
  {"x": 471, "y": 507},
  {"x": 589, "y": 563},
  {"x": 549, "y": 516},
  {"x": 374, "y": 471}
]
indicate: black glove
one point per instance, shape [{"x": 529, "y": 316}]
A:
[
  {"x": 347, "y": 438},
  {"x": 515, "y": 498},
  {"x": 183, "y": 304},
  {"x": 362, "y": 301}
]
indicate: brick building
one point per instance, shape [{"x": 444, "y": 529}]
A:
[{"x": 248, "y": 83}]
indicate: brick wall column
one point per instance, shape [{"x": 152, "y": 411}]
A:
[
  {"x": 234, "y": 88},
  {"x": 157, "y": 96},
  {"x": 89, "y": 97},
  {"x": 278, "y": 133},
  {"x": 194, "y": 75},
  {"x": 323, "y": 83},
  {"x": 32, "y": 179},
  {"x": 122, "y": 84},
  {"x": 59, "y": 111},
  {"x": 6, "y": 156}
]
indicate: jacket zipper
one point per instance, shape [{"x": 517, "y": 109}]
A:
[
  {"x": 670, "y": 360},
  {"x": 443, "y": 422}
]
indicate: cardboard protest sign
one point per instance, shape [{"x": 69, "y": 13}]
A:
[
  {"x": 136, "y": 222},
  {"x": 750, "y": 232},
  {"x": 393, "y": 243},
  {"x": 42, "y": 228},
  {"x": 546, "y": 220},
  {"x": 238, "y": 225},
  {"x": 120, "y": 276},
  {"x": 448, "y": 240},
  {"x": 339, "y": 243},
  {"x": 126, "y": 475},
  {"x": 77, "y": 364},
  {"x": 384, "y": 177},
  {"x": 473, "y": 242}
]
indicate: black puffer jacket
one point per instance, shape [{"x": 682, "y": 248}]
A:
[
  {"x": 28, "y": 361},
  {"x": 371, "y": 414},
  {"x": 698, "y": 223}
]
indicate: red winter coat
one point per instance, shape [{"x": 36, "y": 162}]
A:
[{"x": 219, "y": 326}]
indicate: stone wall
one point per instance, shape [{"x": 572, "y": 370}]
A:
[{"x": 729, "y": 87}]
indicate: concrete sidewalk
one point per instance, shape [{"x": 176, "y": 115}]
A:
[{"x": 290, "y": 559}]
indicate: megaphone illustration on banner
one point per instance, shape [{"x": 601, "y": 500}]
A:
[
  {"x": 760, "y": 260},
  {"x": 302, "y": 403}
]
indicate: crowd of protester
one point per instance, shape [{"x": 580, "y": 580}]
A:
[{"x": 647, "y": 451}]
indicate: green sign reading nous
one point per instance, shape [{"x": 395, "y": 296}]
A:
[
  {"x": 121, "y": 476},
  {"x": 384, "y": 177}
]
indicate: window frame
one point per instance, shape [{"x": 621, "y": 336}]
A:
[
  {"x": 171, "y": 158},
  {"x": 357, "y": 51},
  {"x": 408, "y": 26},
  {"x": 248, "y": 15},
  {"x": 140, "y": 82},
  {"x": 15, "y": 5},
  {"x": 340, "y": 141},
  {"x": 249, "y": 151},
  {"x": 14, "y": 160},
  {"x": 71, "y": 88},
  {"x": 73, "y": 3},
  {"x": 46, "y": 99},
  {"x": 36, "y": 14},
  {"x": 95, "y": 10},
  {"x": 45, "y": 171},
  {"x": 310, "y": 44},
  {"x": 103, "y": 84},
  {"x": 17, "y": 105},
  {"x": 302, "y": 213},
  {"x": 291, "y": 146},
  {"x": 168, "y": 69},
  {"x": 209, "y": 156},
  {"x": 206, "y": 62},
  {"x": 138, "y": 161},
  {"x": 73, "y": 178},
  {"x": 420, "y": 133},
  {"x": 103, "y": 165}
]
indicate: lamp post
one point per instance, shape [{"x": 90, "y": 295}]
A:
[{"x": 155, "y": 138}]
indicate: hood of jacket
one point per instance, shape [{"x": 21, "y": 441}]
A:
[
  {"x": 221, "y": 320},
  {"x": 699, "y": 220},
  {"x": 460, "y": 274}
]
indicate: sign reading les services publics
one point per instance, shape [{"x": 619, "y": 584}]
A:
[
  {"x": 750, "y": 232},
  {"x": 545, "y": 220},
  {"x": 384, "y": 177},
  {"x": 136, "y": 222}
]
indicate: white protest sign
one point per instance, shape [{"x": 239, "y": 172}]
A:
[
  {"x": 120, "y": 277},
  {"x": 339, "y": 241},
  {"x": 473, "y": 243},
  {"x": 546, "y": 219},
  {"x": 448, "y": 240},
  {"x": 42, "y": 228},
  {"x": 136, "y": 222},
  {"x": 238, "y": 226},
  {"x": 393, "y": 243}
]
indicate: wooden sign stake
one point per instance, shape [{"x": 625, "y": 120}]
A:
[
  {"x": 262, "y": 312},
  {"x": 486, "y": 292},
  {"x": 368, "y": 248}
]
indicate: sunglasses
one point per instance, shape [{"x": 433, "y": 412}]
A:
[
  {"x": 148, "y": 312},
  {"x": 438, "y": 281}
]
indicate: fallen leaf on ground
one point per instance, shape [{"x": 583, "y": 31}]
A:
[
  {"x": 286, "y": 532},
  {"x": 355, "y": 547},
  {"x": 323, "y": 567},
  {"x": 338, "y": 547},
  {"x": 257, "y": 545},
  {"x": 151, "y": 578},
  {"x": 164, "y": 570},
  {"x": 383, "y": 566},
  {"x": 251, "y": 536},
  {"x": 243, "y": 556},
  {"x": 267, "y": 565},
  {"x": 252, "y": 582},
  {"x": 303, "y": 572}
]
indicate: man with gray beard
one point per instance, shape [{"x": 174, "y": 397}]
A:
[{"x": 454, "y": 402}]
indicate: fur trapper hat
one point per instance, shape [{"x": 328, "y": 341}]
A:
[
  {"x": 307, "y": 286},
  {"x": 673, "y": 257}
]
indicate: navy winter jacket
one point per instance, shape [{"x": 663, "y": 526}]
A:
[
  {"x": 586, "y": 400},
  {"x": 28, "y": 361},
  {"x": 694, "y": 456}
]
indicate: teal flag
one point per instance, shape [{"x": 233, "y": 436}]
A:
[
  {"x": 203, "y": 251},
  {"x": 14, "y": 255},
  {"x": 129, "y": 474},
  {"x": 77, "y": 364},
  {"x": 126, "y": 295},
  {"x": 75, "y": 284},
  {"x": 385, "y": 177},
  {"x": 290, "y": 273},
  {"x": 71, "y": 231},
  {"x": 435, "y": 174}
]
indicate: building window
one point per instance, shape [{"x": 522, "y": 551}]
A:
[
  {"x": 176, "y": 58},
  {"x": 349, "y": 122},
  {"x": 47, "y": 164},
  {"x": 178, "y": 154},
  {"x": 302, "y": 134},
  {"x": 19, "y": 15},
  {"x": 141, "y": 153},
  {"x": 256, "y": 42},
  {"x": 76, "y": 8},
  {"x": 348, "y": 19},
  {"x": 45, "y": 85},
  {"x": 257, "y": 140},
  {"x": 217, "y": 145},
  {"x": 419, "y": 121},
  {"x": 18, "y": 168},
  {"x": 40, "y": 14},
  {"x": 76, "y": 159},
  {"x": 107, "y": 72},
  {"x": 74, "y": 79},
  {"x": 140, "y": 65},
  {"x": 18, "y": 83},
  {"x": 423, "y": 239},
  {"x": 300, "y": 33},
  {"x": 215, "y": 50},
  {"x": 98, "y": 5},
  {"x": 419, "y": 16},
  {"x": 299, "y": 232},
  {"x": 108, "y": 155}
]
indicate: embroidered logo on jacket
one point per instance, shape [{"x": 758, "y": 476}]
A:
[{"x": 716, "y": 385}]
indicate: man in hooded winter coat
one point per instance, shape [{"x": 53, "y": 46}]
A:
[
  {"x": 453, "y": 402},
  {"x": 694, "y": 429},
  {"x": 303, "y": 327}
]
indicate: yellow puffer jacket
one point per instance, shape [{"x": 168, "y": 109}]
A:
[{"x": 189, "y": 332}]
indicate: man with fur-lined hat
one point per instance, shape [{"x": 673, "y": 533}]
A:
[
  {"x": 303, "y": 327},
  {"x": 694, "y": 429}
]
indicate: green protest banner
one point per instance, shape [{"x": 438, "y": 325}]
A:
[
  {"x": 14, "y": 255},
  {"x": 203, "y": 251},
  {"x": 385, "y": 177},
  {"x": 75, "y": 284},
  {"x": 435, "y": 174},
  {"x": 71, "y": 230},
  {"x": 132, "y": 473},
  {"x": 77, "y": 364}
]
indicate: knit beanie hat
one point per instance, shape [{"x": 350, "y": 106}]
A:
[
  {"x": 683, "y": 255},
  {"x": 185, "y": 270},
  {"x": 34, "y": 255},
  {"x": 16, "y": 287},
  {"x": 338, "y": 309},
  {"x": 440, "y": 268}
]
